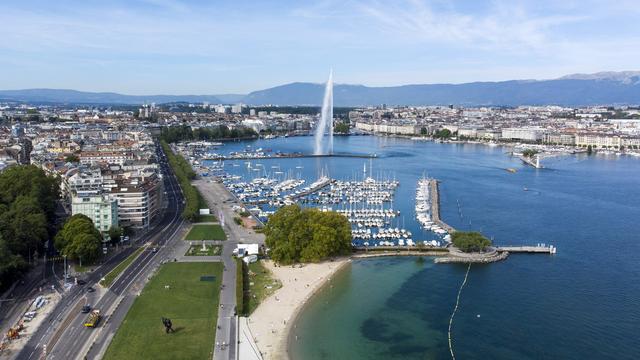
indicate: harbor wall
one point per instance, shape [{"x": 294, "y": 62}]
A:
[{"x": 435, "y": 206}]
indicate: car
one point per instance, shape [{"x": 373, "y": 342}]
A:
[
  {"x": 86, "y": 309},
  {"x": 155, "y": 250},
  {"x": 81, "y": 282},
  {"x": 90, "y": 289}
]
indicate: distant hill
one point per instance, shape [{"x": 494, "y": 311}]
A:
[
  {"x": 230, "y": 98},
  {"x": 572, "y": 90},
  {"x": 83, "y": 97}
]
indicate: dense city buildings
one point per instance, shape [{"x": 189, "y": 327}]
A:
[
  {"x": 599, "y": 127},
  {"x": 105, "y": 156}
]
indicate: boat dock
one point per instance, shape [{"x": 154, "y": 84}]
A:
[
  {"x": 539, "y": 249},
  {"x": 313, "y": 188},
  {"x": 435, "y": 207}
]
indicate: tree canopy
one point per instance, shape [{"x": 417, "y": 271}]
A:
[
  {"x": 471, "y": 241},
  {"x": 184, "y": 172},
  {"x": 173, "y": 134},
  {"x": 341, "y": 128},
  {"x": 295, "y": 235},
  {"x": 27, "y": 214},
  {"x": 443, "y": 134},
  {"x": 72, "y": 158},
  {"x": 79, "y": 239}
]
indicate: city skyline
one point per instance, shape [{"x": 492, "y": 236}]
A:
[{"x": 196, "y": 47}]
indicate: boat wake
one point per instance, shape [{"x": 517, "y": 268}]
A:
[{"x": 453, "y": 357}]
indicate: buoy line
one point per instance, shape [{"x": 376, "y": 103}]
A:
[{"x": 456, "y": 309}]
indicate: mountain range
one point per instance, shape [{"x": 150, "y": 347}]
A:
[{"x": 572, "y": 90}]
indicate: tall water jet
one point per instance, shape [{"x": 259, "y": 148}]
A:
[{"x": 326, "y": 120}]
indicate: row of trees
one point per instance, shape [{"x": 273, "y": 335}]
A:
[
  {"x": 27, "y": 217},
  {"x": 341, "y": 128},
  {"x": 173, "y": 134},
  {"x": 306, "y": 235},
  {"x": 184, "y": 172},
  {"x": 79, "y": 239},
  {"x": 471, "y": 241},
  {"x": 443, "y": 134}
]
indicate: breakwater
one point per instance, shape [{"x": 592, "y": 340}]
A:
[{"x": 435, "y": 206}]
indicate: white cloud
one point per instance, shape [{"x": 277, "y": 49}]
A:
[{"x": 505, "y": 26}]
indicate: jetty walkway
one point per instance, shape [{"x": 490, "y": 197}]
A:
[
  {"x": 288, "y": 156},
  {"x": 435, "y": 206},
  {"x": 539, "y": 249},
  {"x": 296, "y": 195}
]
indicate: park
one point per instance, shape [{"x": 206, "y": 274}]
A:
[{"x": 185, "y": 293}]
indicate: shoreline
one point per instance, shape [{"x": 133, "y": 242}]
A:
[
  {"x": 271, "y": 323},
  {"x": 287, "y": 335},
  {"x": 274, "y": 338}
]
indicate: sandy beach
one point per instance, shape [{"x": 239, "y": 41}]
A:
[{"x": 271, "y": 321}]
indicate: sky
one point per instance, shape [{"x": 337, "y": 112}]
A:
[{"x": 215, "y": 47}]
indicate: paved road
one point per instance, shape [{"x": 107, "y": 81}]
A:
[
  {"x": 63, "y": 332},
  {"x": 217, "y": 197}
]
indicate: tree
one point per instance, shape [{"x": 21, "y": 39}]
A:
[
  {"x": 27, "y": 217},
  {"x": 341, "y": 128},
  {"x": 589, "y": 150},
  {"x": 24, "y": 225},
  {"x": 10, "y": 264},
  {"x": 79, "y": 239},
  {"x": 442, "y": 134},
  {"x": 115, "y": 232},
  {"x": 470, "y": 241},
  {"x": 72, "y": 158},
  {"x": 306, "y": 235},
  {"x": 529, "y": 152},
  {"x": 424, "y": 131}
]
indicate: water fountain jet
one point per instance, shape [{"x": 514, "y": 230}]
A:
[{"x": 326, "y": 121}]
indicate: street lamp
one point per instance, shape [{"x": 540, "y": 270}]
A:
[{"x": 65, "y": 269}]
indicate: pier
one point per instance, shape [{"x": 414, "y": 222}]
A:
[
  {"x": 540, "y": 249},
  {"x": 288, "y": 156},
  {"x": 312, "y": 189},
  {"x": 530, "y": 161},
  {"x": 435, "y": 207}
]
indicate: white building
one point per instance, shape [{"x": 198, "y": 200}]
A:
[
  {"x": 237, "y": 109},
  {"x": 83, "y": 180},
  {"x": 139, "y": 200},
  {"x": 222, "y": 109},
  {"x": 523, "y": 134},
  {"x": 598, "y": 140},
  {"x": 102, "y": 210},
  {"x": 256, "y": 125}
]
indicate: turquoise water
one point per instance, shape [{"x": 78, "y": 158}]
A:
[{"x": 582, "y": 303}]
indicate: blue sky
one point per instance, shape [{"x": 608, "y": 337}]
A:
[{"x": 213, "y": 47}]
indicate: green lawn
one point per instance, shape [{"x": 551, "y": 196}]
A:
[
  {"x": 113, "y": 274},
  {"x": 210, "y": 250},
  {"x": 206, "y": 232},
  {"x": 192, "y": 306},
  {"x": 259, "y": 284},
  {"x": 207, "y": 218}
]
